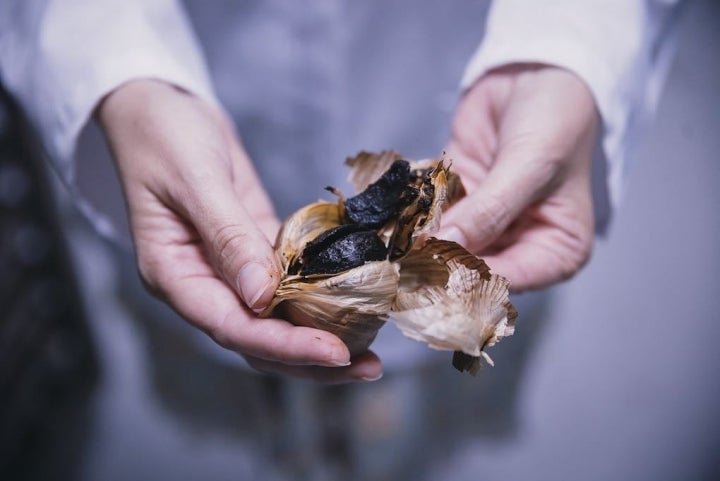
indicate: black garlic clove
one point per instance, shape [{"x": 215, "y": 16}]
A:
[
  {"x": 339, "y": 249},
  {"x": 383, "y": 199}
]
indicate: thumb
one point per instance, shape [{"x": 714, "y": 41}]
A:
[
  {"x": 516, "y": 180},
  {"x": 238, "y": 249}
]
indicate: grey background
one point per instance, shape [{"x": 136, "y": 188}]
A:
[{"x": 619, "y": 379}]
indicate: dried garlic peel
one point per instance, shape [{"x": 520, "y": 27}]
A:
[
  {"x": 302, "y": 227},
  {"x": 450, "y": 300},
  {"x": 353, "y": 305},
  {"x": 437, "y": 291}
]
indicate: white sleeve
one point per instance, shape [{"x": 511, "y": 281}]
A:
[
  {"x": 59, "y": 58},
  {"x": 620, "y": 48}
]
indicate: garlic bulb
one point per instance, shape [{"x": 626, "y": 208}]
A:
[
  {"x": 351, "y": 264},
  {"x": 353, "y": 304}
]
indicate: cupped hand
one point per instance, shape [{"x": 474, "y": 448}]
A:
[
  {"x": 201, "y": 225},
  {"x": 522, "y": 140}
]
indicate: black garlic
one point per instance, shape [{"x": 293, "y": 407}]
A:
[
  {"x": 339, "y": 249},
  {"x": 383, "y": 199}
]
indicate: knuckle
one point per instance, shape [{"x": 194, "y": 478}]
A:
[
  {"x": 151, "y": 274},
  {"x": 264, "y": 343},
  {"x": 546, "y": 162},
  {"x": 553, "y": 156},
  {"x": 576, "y": 254},
  {"x": 275, "y": 346},
  {"x": 498, "y": 211},
  {"x": 228, "y": 243},
  {"x": 518, "y": 275},
  {"x": 489, "y": 219},
  {"x": 220, "y": 334},
  {"x": 585, "y": 251},
  {"x": 221, "y": 338}
]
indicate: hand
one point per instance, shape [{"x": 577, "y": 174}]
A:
[
  {"x": 522, "y": 140},
  {"x": 201, "y": 223}
]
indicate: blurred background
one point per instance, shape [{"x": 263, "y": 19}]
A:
[{"x": 609, "y": 376}]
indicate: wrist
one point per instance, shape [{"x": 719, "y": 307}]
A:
[{"x": 134, "y": 97}]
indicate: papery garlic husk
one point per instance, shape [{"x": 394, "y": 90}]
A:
[
  {"x": 435, "y": 291},
  {"x": 449, "y": 299},
  {"x": 353, "y": 304},
  {"x": 302, "y": 227}
]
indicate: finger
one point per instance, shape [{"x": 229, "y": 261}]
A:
[
  {"x": 543, "y": 124},
  {"x": 237, "y": 247},
  {"x": 364, "y": 367},
  {"x": 209, "y": 304},
  {"x": 251, "y": 193},
  {"x": 517, "y": 180},
  {"x": 473, "y": 140},
  {"x": 542, "y": 257},
  {"x": 249, "y": 190}
]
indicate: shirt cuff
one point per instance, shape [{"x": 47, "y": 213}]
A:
[
  {"x": 605, "y": 43},
  {"x": 60, "y": 59}
]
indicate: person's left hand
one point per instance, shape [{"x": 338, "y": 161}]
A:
[{"x": 522, "y": 141}]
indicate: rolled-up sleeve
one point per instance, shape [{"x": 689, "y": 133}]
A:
[{"x": 59, "y": 58}]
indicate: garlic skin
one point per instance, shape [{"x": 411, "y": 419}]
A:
[
  {"x": 302, "y": 227},
  {"x": 449, "y": 299},
  {"x": 435, "y": 291},
  {"x": 353, "y": 304}
]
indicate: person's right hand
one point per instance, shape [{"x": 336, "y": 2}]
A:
[{"x": 201, "y": 222}]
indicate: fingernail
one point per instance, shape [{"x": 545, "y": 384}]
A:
[
  {"x": 254, "y": 283},
  {"x": 336, "y": 363},
  {"x": 372, "y": 378},
  {"x": 453, "y": 234},
  {"x": 338, "y": 357}
]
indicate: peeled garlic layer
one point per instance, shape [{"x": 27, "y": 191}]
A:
[
  {"x": 449, "y": 299},
  {"x": 435, "y": 291},
  {"x": 353, "y": 305}
]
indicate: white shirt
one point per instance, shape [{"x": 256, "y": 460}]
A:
[
  {"x": 316, "y": 63},
  {"x": 309, "y": 83}
]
